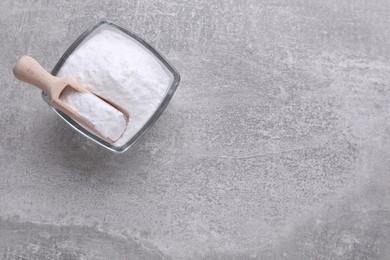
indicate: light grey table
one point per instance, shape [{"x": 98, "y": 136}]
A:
[{"x": 276, "y": 144}]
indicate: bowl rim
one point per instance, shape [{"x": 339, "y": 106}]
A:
[{"x": 152, "y": 119}]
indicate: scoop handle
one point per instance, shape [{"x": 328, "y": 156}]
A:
[{"x": 30, "y": 71}]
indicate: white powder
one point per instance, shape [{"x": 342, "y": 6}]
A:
[
  {"x": 117, "y": 67},
  {"x": 108, "y": 121}
]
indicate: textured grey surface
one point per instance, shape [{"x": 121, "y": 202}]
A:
[{"x": 275, "y": 146}]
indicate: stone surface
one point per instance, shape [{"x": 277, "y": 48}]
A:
[{"x": 276, "y": 144}]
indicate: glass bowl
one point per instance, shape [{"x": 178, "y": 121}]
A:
[{"x": 165, "y": 99}]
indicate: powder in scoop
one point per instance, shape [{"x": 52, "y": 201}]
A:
[{"x": 107, "y": 120}]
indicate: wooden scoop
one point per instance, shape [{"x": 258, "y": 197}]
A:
[{"x": 30, "y": 71}]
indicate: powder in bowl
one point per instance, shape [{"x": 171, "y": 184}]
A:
[{"x": 117, "y": 67}]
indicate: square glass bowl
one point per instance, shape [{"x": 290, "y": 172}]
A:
[{"x": 168, "y": 68}]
